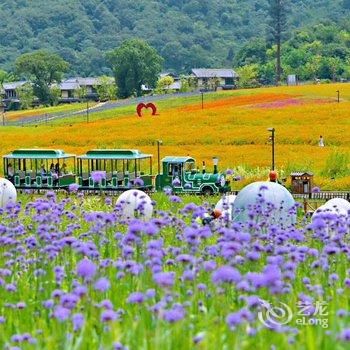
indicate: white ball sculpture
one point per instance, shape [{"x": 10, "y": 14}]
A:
[
  {"x": 8, "y": 192},
  {"x": 135, "y": 203},
  {"x": 337, "y": 206},
  {"x": 274, "y": 200},
  {"x": 225, "y": 205}
]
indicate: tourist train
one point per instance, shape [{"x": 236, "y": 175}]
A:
[{"x": 110, "y": 170}]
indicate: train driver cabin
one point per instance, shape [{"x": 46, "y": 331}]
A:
[
  {"x": 115, "y": 169},
  {"x": 39, "y": 168},
  {"x": 302, "y": 182}
]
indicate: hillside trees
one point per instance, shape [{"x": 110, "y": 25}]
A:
[
  {"x": 321, "y": 51},
  {"x": 188, "y": 34},
  {"x": 134, "y": 63},
  {"x": 276, "y": 30},
  {"x": 42, "y": 68}
]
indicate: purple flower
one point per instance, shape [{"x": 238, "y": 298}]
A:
[
  {"x": 345, "y": 334},
  {"x": 138, "y": 182},
  {"x": 86, "y": 269},
  {"x": 78, "y": 321},
  {"x": 72, "y": 188},
  {"x": 136, "y": 298},
  {"x": 316, "y": 190},
  {"x": 21, "y": 305},
  {"x": 168, "y": 191},
  {"x": 229, "y": 172},
  {"x": 175, "y": 199},
  {"x": 102, "y": 284},
  {"x": 48, "y": 304},
  {"x": 226, "y": 274},
  {"x": 69, "y": 300},
  {"x": 98, "y": 176},
  {"x": 108, "y": 316},
  {"x": 150, "y": 293},
  {"x": 176, "y": 182},
  {"x": 107, "y": 304},
  {"x": 233, "y": 319},
  {"x": 174, "y": 315},
  {"x": 61, "y": 313},
  {"x": 164, "y": 279}
]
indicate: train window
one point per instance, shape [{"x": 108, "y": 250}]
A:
[
  {"x": 189, "y": 166},
  {"x": 174, "y": 169},
  {"x": 170, "y": 169}
]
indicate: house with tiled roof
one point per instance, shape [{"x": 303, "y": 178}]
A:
[{"x": 222, "y": 78}]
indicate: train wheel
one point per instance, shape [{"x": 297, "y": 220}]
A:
[{"x": 207, "y": 191}]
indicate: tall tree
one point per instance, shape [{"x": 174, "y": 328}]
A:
[
  {"x": 277, "y": 28},
  {"x": 135, "y": 63},
  {"x": 42, "y": 69}
]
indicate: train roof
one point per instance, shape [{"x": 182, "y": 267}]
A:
[
  {"x": 175, "y": 159},
  {"x": 38, "y": 154},
  {"x": 115, "y": 154}
]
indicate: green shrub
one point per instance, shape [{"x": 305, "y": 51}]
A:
[{"x": 336, "y": 165}]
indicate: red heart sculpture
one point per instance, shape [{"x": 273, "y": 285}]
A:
[{"x": 140, "y": 106}]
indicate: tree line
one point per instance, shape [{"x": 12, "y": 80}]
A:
[{"x": 187, "y": 34}]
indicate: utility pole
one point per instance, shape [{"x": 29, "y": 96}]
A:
[
  {"x": 159, "y": 142},
  {"x": 2, "y": 110},
  {"x": 87, "y": 110},
  {"x": 272, "y": 138}
]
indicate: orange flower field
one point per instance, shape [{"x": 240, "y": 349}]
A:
[{"x": 233, "y": 126}]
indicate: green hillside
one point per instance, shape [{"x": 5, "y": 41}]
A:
[{"x": 187, "y": 33}]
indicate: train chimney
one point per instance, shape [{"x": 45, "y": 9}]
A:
[
  {"x": 215, "y": 162},
  {"x": 203, "y": 167}
]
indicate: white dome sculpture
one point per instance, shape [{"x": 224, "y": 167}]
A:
[
  {"x": 273, "y": 200},
  {"x": 225, "y": 205},
  {"x": 338, "y": 206},
  {"x": 8, "y": 192},
  {"x": 135, "y": 203}
]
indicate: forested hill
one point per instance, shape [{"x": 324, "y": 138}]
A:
[{"x": 187, "y": 33}]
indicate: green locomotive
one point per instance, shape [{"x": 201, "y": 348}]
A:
[{"x": 181, "y": 175}]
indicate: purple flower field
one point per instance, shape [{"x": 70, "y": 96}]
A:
[{"x": 75, "y": 275}]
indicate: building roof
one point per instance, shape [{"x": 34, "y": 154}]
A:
[
  {"x": 301, "y": 173},
  {"x": 69, "y": 85},
  {"x": 176, "y": 85},
  {"x": 175, "y": 159},
  {"x": 168, "y": 74},
  {"x": 214, "y": 73},
  {"x": 38, "y": 154},
  {"x": 13, "y": 85},
  {"x": 115, "y": 154}
]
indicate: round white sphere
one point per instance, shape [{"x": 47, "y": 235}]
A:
[
  {"x": 225, "y": 205},
  {"x": 135, "y": 203},
  {"x": 8, "y": 192},
  {"x": 338, "y": 206},
  {"x": 271, "y": 192}
]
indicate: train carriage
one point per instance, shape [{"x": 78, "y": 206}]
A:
[
  {"x": 115, "y": 169},
  {"x": 39, "y": 168}
]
